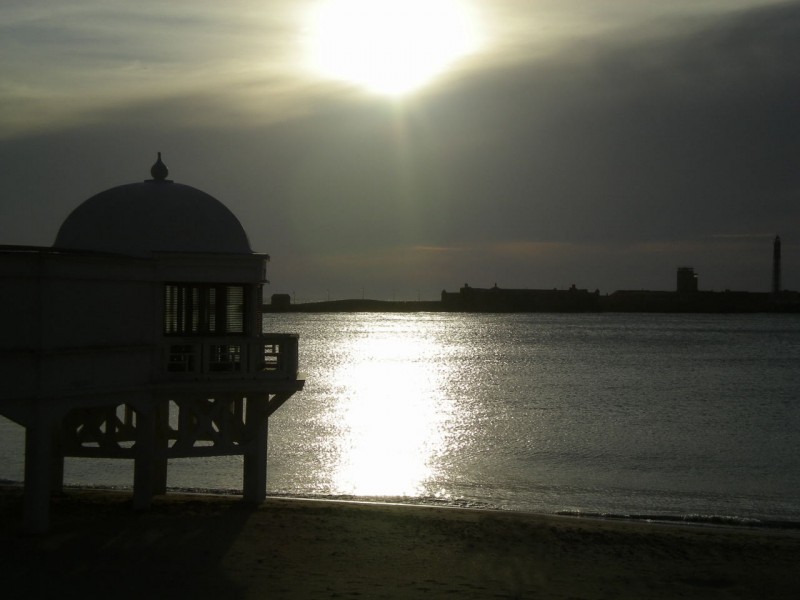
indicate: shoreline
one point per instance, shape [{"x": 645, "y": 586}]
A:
[
  {"x": 734, "y": 522},
  {"x": 559, "y": 302},
  {"x": 209, "y": 546}
]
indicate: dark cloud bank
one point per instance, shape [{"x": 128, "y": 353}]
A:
[{"x": 684, "y": 140}]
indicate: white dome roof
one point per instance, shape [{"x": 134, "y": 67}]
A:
[{"x": 152, "y": 216}]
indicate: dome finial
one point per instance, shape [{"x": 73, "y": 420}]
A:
[{"x": 159, "y": 170}]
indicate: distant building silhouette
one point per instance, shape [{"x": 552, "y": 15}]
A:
[
  {"x": 687, "y": 280},
  {"x": 496, "y": 299},
  {"x": 281, "y": 301}
]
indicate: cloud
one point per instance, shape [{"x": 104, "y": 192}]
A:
[
  {"x": 66, "y": 61},
  {"x": 604, "y": 162},
  {"x": 639, "y": 140}
]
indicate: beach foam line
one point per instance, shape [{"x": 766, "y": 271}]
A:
[{"x": 695, "y": 518}]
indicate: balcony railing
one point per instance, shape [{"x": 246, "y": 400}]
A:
[{"x": 268, "y": 356}]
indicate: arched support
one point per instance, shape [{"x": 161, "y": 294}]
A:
[{"x": 144, "y": 429}]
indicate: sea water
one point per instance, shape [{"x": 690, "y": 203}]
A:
[{"x": 648, "y": 415}]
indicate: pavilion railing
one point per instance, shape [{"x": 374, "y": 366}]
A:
[{"x": 268, "y": 356}]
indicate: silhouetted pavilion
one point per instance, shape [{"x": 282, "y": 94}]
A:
[{"x": 138, "y": 335}]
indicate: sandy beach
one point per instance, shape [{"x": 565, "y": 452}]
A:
[{"x": 216, "y": 547}]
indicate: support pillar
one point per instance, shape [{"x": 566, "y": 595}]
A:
[
  {"x": 161, "y": 443},
  {"x": 159, "y": 475},
  {"x": 57, "y": 460},
  {"x": 255, "y": 457},
  {"x": 39, "y": 435},
  {"x": 144, "y": 464}
]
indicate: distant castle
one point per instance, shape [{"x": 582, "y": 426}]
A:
[
  {"x": 496, "y": 299},
  {"x": 686, "y": 298}
]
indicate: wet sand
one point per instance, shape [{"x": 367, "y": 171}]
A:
[{"x": 200, "y": 547}]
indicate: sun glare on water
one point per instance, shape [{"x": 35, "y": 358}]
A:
[
  {"x": 390, "y": 47},
  {"x": 393, "y": 413}
]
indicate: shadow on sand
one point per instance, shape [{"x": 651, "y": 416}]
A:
[{"x": 99, "y": 547}]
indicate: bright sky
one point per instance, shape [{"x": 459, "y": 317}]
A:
[{"x": 406, "y": 147}]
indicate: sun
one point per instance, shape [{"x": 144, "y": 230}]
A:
[{"x": 390, "y": 47}]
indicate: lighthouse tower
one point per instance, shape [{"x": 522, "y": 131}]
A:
[{"x": 776, "y": 266}]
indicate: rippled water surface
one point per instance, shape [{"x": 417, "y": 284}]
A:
[{"x": 625, "y": 414}]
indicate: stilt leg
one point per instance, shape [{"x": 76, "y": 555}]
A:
[
  {"x": 161, "y": 442},
  {"x": 57, "y": 461},
  {"x": 144, "y": 463},
  {"x": 255, "y": 459},
  {"x": 38, "y": 475}
]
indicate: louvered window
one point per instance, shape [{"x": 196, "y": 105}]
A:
[
  {"x": 234, "y": 309},
  {"x": 204, "y": 309}
]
